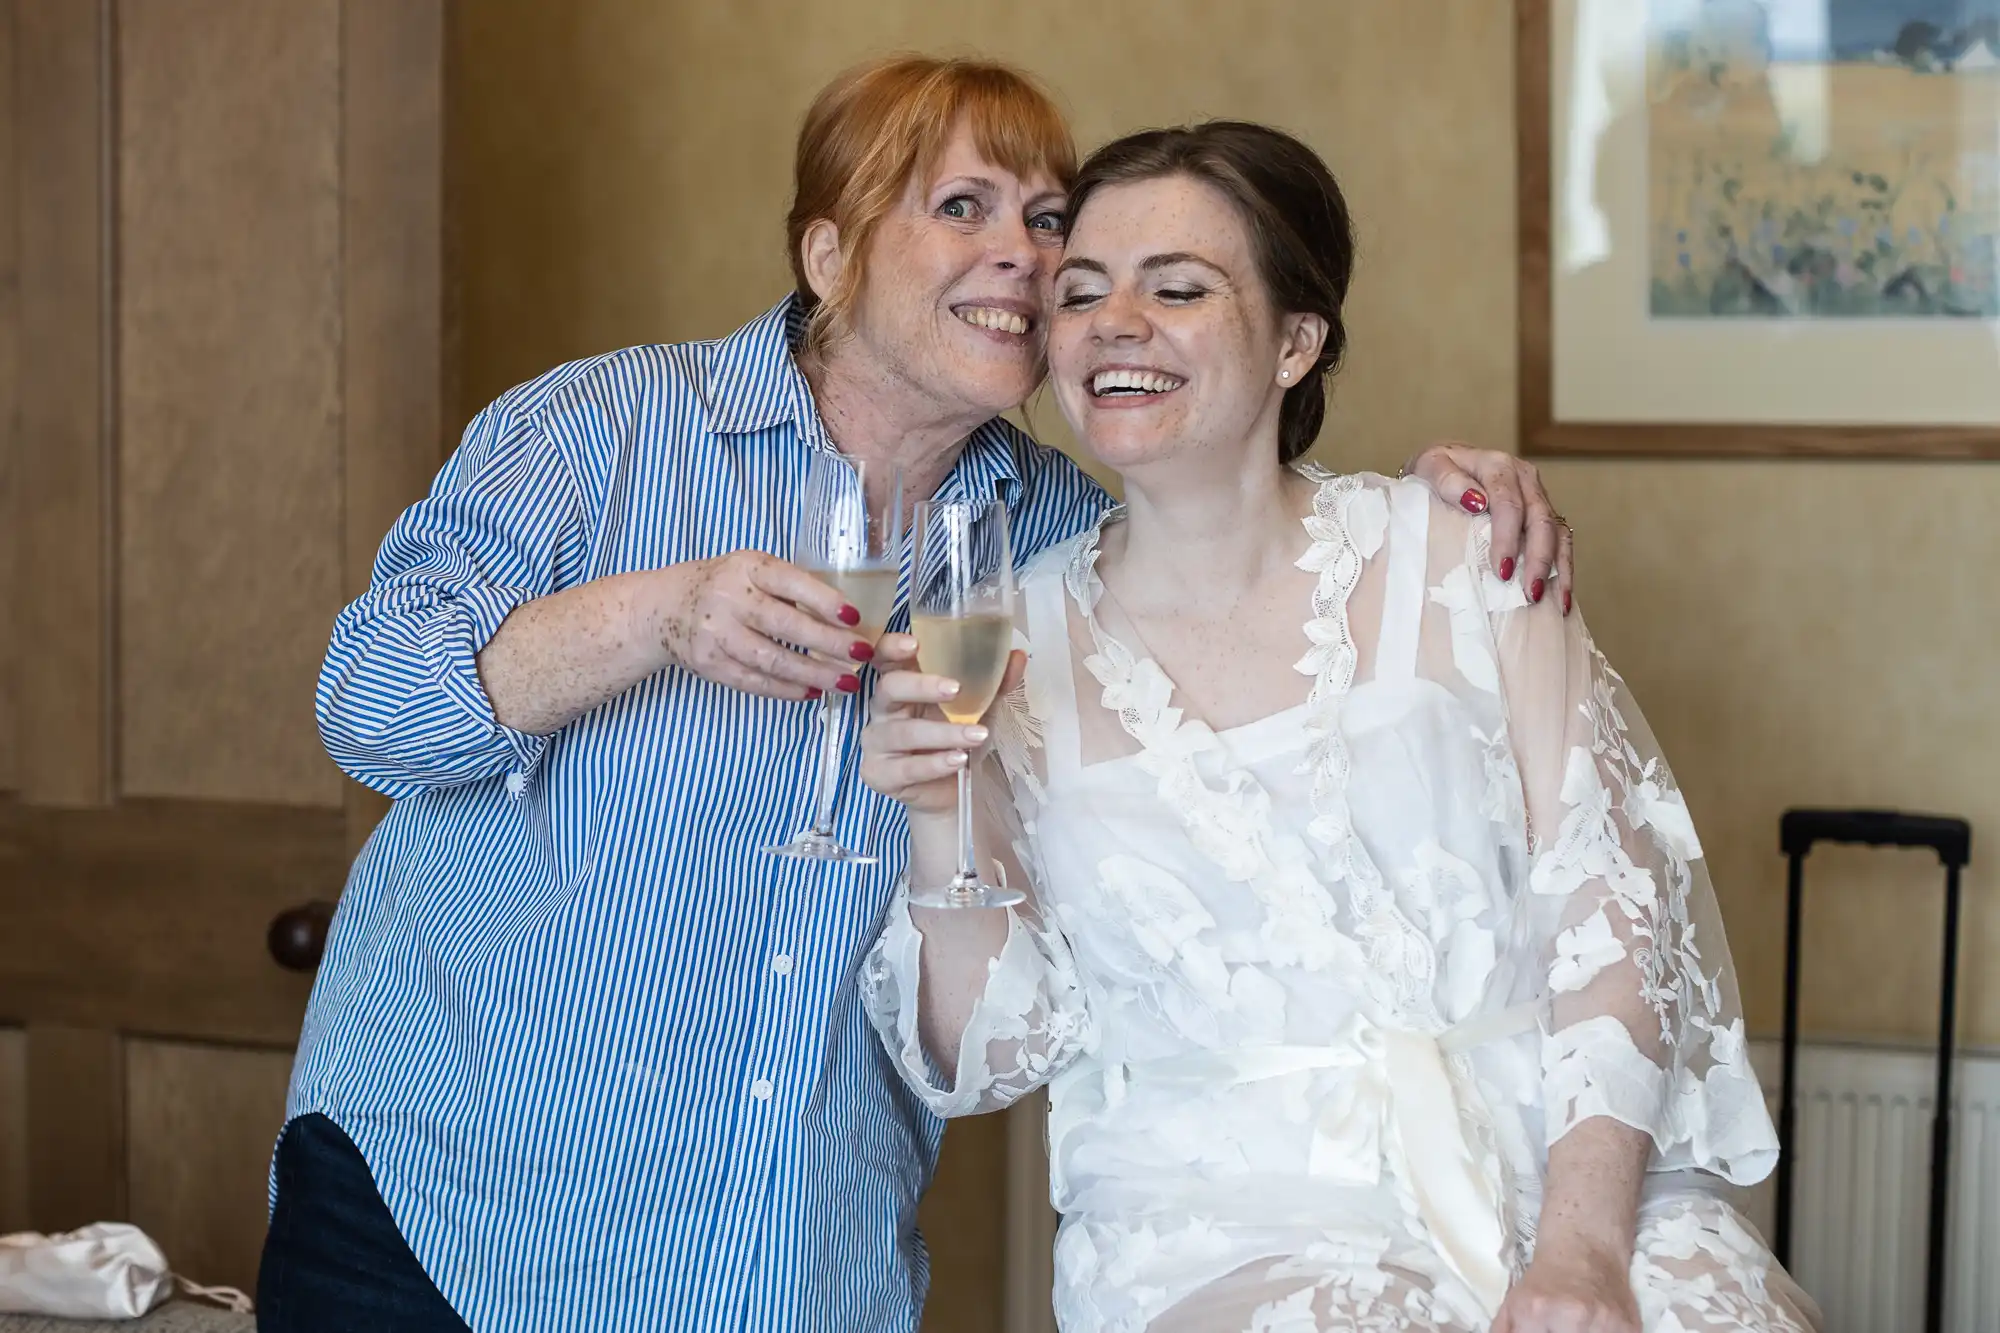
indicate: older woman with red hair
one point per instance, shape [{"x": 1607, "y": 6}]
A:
[{"x": 578, "y": 1056}]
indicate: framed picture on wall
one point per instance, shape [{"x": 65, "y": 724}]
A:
[{"x": 1759, "y": 227}]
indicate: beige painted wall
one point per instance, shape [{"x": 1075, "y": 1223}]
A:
[{"x": 1799, "y": 632}]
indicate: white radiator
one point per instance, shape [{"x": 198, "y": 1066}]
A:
[
  {"x": 1858, "y": 1222},
  {"x": 1862, "y": 1185}
]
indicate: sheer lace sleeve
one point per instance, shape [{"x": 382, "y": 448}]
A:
[
  {"x": 1030, "y": 1017},
  {"x": 1646, "y": 1024}
]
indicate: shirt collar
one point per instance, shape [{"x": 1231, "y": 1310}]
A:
[
  {"x": 987, "y": 468},
  {"x": 755, "y": 384}
]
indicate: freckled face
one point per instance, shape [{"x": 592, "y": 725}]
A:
[
  {"x": 957, "y": 281},
  {"x": 1162, "y": 338}
]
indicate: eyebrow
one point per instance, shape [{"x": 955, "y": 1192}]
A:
[
  {"x": 1146, "y": 265},
  {"x": 993, "y": 187},
  {"x": 1168, "y": 260},
  {"x": 976, "y": 182}
]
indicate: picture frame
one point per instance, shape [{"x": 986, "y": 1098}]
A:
[{"x": 1650, "y": 324}]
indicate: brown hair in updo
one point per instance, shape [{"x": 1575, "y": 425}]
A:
[{"x": 1299, "y": 230}]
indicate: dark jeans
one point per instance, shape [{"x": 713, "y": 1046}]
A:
[{"x": 334, "y": 1261}]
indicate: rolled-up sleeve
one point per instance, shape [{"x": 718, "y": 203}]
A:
[{"x": 400, "y": 704}]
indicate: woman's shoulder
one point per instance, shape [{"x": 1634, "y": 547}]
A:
[
  {"x": 743, "y": 381},
  {"x": 665, "y": 398},
  {"x": 1360, "y": 508},
  {"x": 1367, "y": 504}
]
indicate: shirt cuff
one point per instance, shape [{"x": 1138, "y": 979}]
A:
[{"x": 473, "y": 617}]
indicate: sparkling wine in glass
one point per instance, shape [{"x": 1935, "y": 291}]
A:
[
  {"x": 869, "y": 588},
  {"x": 962, "y": 611},
  {"x": 851, "y": 527}
]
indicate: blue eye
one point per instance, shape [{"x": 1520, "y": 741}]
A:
[
  {"x": 960, "y": 206},
  {"x": 1050, "y": 222}
]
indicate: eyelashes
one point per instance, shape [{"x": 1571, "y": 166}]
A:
[{"x": 1173, "y": 296}]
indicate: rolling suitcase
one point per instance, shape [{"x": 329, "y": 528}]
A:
[{"x": 1951, "y": 839}]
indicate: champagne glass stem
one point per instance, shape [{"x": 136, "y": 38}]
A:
[
  {"x": 968, "y": 870},
  {"x": 829, "y": 762}
]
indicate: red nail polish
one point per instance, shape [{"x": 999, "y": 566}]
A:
[
  {"x": 1535, "y": 591},
  {"x": 1474, "y": 502},
  {"x": 849, "y": 684},
  {"x": 862, "y": 652},
  {"x": 812, "y": 692},
  {"x": 849, "y": 616},
  {"x": 1507, "y": 569},
  {"x": 1565, "y": 602}
]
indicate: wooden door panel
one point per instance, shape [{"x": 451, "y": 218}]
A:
[
  {"x": 229, "y": 362},
  {"x": 13, "y": 1130},
  {"x": 76, "y": 1126},
  {"x": 63, "y": 444},
  {"x": 200, "y": 1124},
  {"x": 151, "y": 917},
  {"x": 9, "y": 402},
  {"x": 229, "y": 281}
]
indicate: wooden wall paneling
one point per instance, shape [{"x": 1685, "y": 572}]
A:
[
  {"x": 1535, "y": 300},
  {"x": 393, "y": 54},
  {"x": 963, "y": 1219},
  {"x": 1028, "y": 1300},
  {"x": 62, "y": 94},
  {"x": 151, "y": 918},
  {"x": 229, "y": 394},
  {"x": 13, "y": 1130},
  {"x": 201, "y": 1123},
  {"x": 10, "y": 334},
  {"x": 76, "y": 1126}
]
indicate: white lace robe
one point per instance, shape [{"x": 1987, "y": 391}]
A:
[{"x": 1313, "y": 995}]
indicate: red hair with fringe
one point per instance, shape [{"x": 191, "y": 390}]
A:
[{"x": 875, "y": 127}]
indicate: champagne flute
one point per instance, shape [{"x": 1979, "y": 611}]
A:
[
  {"x": 851, "y": 529},
  {"x": 962, "y": 611}
]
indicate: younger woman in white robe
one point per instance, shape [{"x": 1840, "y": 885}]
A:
[{"x": 1369, "y": 954}]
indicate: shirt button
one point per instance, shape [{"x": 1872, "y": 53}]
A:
[
  {"x": 782, "y": 965},
  {"x": 516, "y": 783},
  {"x": 761, "y": 1090}
]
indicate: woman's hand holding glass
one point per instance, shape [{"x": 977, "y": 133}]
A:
[
  {"x": 850, "y": 537},
  {"x": 910, "y": 751},
  {"x": 742, "y": 619}
]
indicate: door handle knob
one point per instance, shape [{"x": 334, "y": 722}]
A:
[{"x": 298, "y": 935}]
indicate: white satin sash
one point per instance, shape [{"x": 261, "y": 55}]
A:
[{"x": 1402, "y": 1106}]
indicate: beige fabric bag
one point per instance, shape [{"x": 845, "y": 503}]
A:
[{"x": 106, "y": 1270}]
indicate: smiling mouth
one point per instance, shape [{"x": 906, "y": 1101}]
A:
[
  {"x": 1133, "y": 383},
  {"x": 993, "y": 320}
]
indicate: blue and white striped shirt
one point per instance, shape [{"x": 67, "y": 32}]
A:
[{"x": 607, "y": 1062}]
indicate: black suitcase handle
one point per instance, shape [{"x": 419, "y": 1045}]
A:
[{"x": 1951, "y": 839}]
